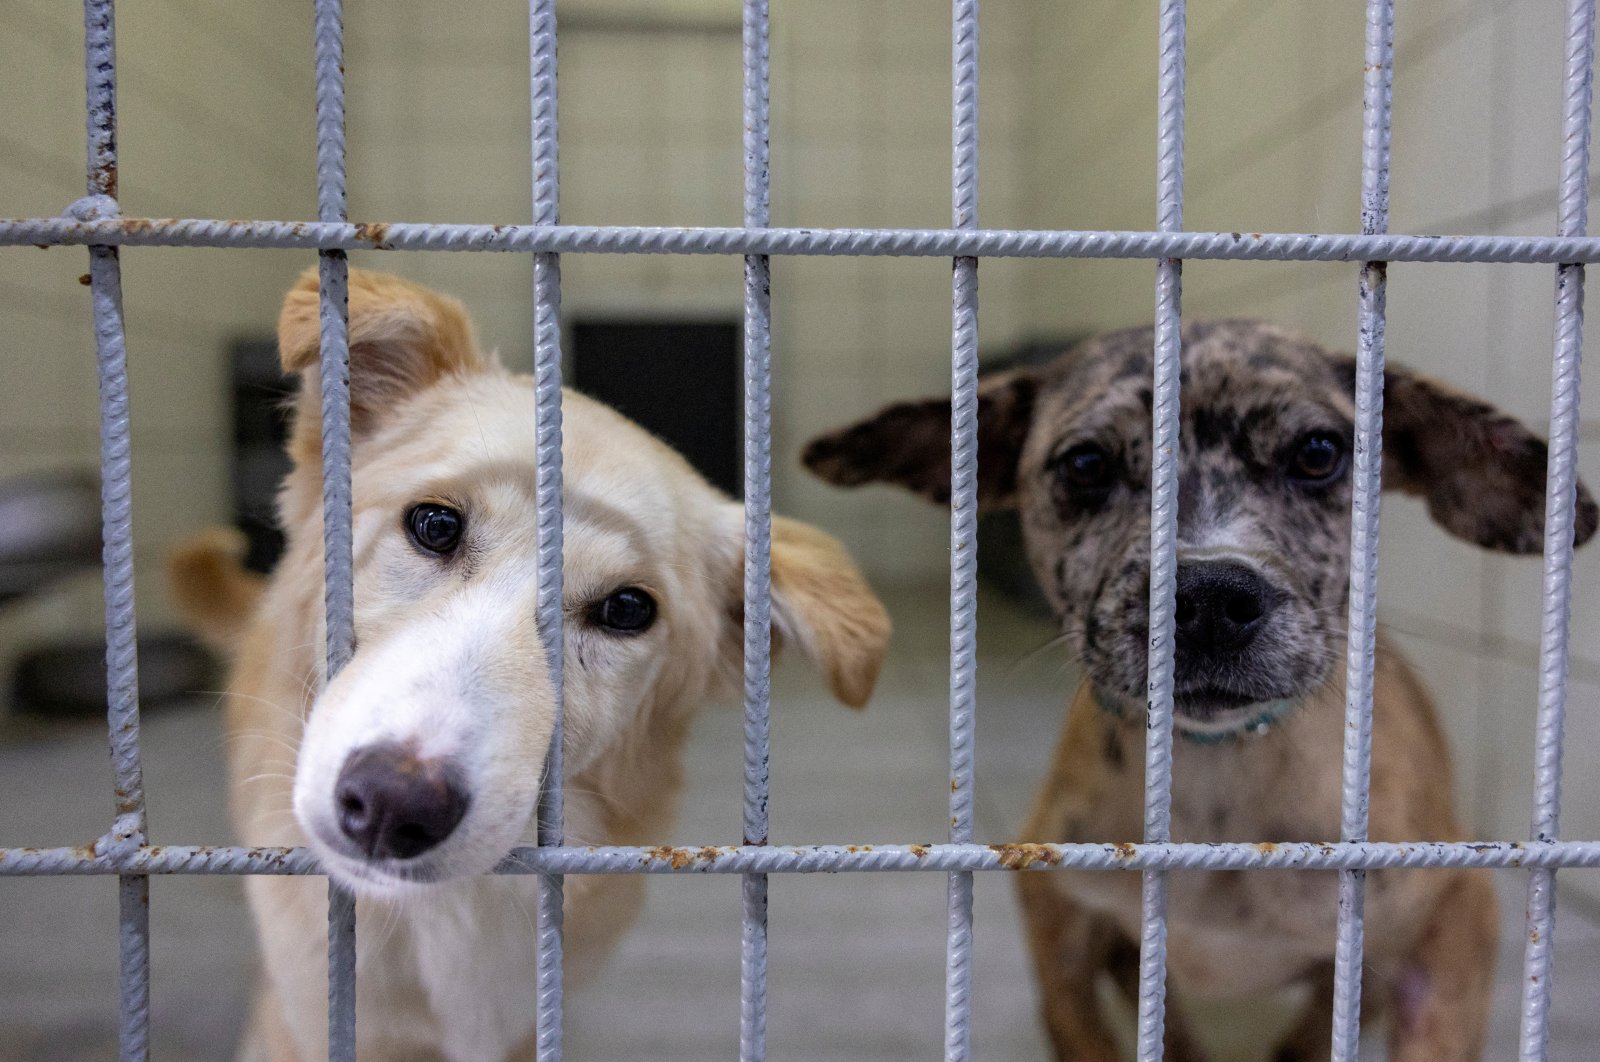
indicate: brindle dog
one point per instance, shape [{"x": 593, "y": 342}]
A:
[{"x": 1263, "y": 568}]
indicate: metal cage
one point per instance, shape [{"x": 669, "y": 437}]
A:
[{"x": 125, "y": 852}]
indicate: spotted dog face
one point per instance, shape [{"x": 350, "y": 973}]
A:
[{"x": 1265, "y": 456}]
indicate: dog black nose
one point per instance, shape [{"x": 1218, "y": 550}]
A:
[
  {"x": 1221, "y": 606},
  {"x": 394, "y": 805}
]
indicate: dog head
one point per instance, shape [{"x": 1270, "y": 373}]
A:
[
  {"x": 421, "y": 760},
  {"x": 1267, "y": 428}
]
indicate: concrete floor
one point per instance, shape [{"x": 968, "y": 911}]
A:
[{"x": 856, "y": 960}]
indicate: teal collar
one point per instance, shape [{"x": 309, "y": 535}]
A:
[{"x": 1247, "y": 724}]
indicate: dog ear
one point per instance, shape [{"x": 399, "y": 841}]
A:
[
  {"x": 215, "y": 594},
  {"x": 403, "y": 337},
  {"x": 908, "y": 444},
  {"x": 822, "y": 604},
  {"x": 1481, "y": 472}
]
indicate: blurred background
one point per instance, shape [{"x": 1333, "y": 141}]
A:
[{"x": 216, "y": 118}]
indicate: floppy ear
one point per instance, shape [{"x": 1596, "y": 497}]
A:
[
  {"x": 822, "y": 604},
  {"x": 908, "y": 444},
  {"x": 215, "y": 593},
  {"x": 403, "y": 338},
  {"x": 1481, "y": 472}
]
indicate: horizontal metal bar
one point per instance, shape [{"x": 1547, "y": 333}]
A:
[
  {"x": 927, "y": 243},
  {"x": 853, "y": 858}
]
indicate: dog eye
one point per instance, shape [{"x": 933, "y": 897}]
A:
[
  {"x": 1086, "y": 469},
  {"x": 628, "y": 611},
  {"x": 1318, "y": 458},
  {"x": 436, "y": 528}
]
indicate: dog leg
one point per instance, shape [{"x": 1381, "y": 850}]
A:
[
  {"x": 1440, "y": 999},
  {"x": 266, "y": 1037},
  {"x": 1178, "y": 1043},
  {"x": 1311, "y": 1039},
  {"x": 1068, "y": 949}
]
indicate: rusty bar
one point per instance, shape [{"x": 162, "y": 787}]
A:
[
  {"x": 757, "y": 527},
  {"x": 101, "y": 860},
  {"x": 919, "y": 243},
  {"x": 116, "y": 515}
]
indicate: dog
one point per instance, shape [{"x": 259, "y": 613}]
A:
[
  {"x": 1262, "y": 586},
  {"x": 417, "y": 768}
]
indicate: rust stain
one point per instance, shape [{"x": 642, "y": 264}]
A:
[
  {"x": 677, "y": 857},
  {"x": 84, "y": 280},
  {"x": 919, "y": 850},
  {"x": 1124, "y": 850},
  {"x": 1266, "y": 848},
  {"x": 1023, "y": 856},
  {"x": 135, "y": 226},
  {"x": 709, "y": 854},
  {"x": 105, "y": 178},
  {"x": 373, "y": 232}
]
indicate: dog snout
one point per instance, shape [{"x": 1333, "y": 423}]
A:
[
  {"x": 391, "y": 804},
  {"x": 1221, "y": 606}
]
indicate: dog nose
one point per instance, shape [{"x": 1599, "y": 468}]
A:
[
  {"x": 394, "y": 805},
  {"x": 1221, "y": 606}
]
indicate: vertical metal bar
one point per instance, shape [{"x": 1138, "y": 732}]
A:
[
  {"x": 757, "y": 529},
  {"x": 1165, "y": 429},
  {"x": 963, "y": 521},
  {"x": 1560, "y": 503},
  {"x": 116, "y": 514},
  {"x": 547, "y": 421},
  {"x": 1361, "y": 642},
  {"x": 334, "y": 382}
]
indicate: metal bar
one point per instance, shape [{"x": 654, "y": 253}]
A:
[
  {"x": 921, "y": 243},
  {"x": 334, "y": 383},
  {"x": 116, "y": 515},
  {"x": 1361, "y": 642},
  {"x": 847, "y": 858},
  {"x": 545, "y": 161},
  {"x": 1560, "y": 502},
  {"x": 757, "y": 527},
  {"x": 1165, "y": 436},
  {"x": 963, "y": 522}
]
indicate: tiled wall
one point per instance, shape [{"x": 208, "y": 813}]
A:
[
  {"x": 651, "y": 135},
  {"x": 216, "y": 121}
]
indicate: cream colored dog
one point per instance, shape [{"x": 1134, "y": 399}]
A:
[{"x": 417, "y": 768}]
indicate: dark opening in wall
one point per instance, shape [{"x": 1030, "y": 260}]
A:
[{"x": 681, "y": 380}]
